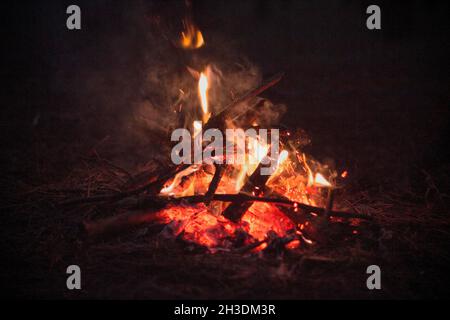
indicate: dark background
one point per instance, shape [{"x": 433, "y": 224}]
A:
[{"x": 373, "y": 102}]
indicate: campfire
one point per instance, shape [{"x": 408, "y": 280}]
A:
[
  {"x": 225, "y": 150},
  {"x": 219, "y": 199}
]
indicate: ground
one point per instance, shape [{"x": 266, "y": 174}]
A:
[{"x": 375, "y": 105}]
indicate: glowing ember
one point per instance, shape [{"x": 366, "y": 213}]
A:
[
  {"x": 293, "y": 244},
  {"x": 264, "y": 217},
  {"x": 199, "y": 225}
]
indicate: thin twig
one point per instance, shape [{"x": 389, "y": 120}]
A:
[{"x": 121, "y": 195}]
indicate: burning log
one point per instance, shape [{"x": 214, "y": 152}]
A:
[
  {"x": 117, "y": 224},
  {"x": 214, "y": 183},
  {"x": 254, "y": 185},
  {"x": 236, "y": 210}
]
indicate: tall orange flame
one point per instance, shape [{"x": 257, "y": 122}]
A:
[{"x": 203, "y": 87}]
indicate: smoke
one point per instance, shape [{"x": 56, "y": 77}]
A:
[{"x": 132, "y": 83}]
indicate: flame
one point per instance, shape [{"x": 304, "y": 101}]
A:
[
  {"x": 282, "y": 157},
  {"x": 308, "y": 170},
  {"x": 169, "y": 189},
  {"x": 191, "y": 37},
  {"x": 257, "y": 151},
  {"x": 202, "y": 91},
  {"x": 197, "y": 125},
  {"x": 320, "y": 181},
  {"x": 240, "y": 179}
]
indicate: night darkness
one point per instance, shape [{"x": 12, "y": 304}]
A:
[{"x": 373, "y": 102}]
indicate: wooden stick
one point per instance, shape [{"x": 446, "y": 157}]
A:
[
  {"x": 255, "y": 185},
  {"x": 218, "y": 174},
  {"x": 120, "y": 223},
  {"x": 151, "y": 186},
  {"x": 236, "y": 210},
  {"x": 330, "y": 201}
]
